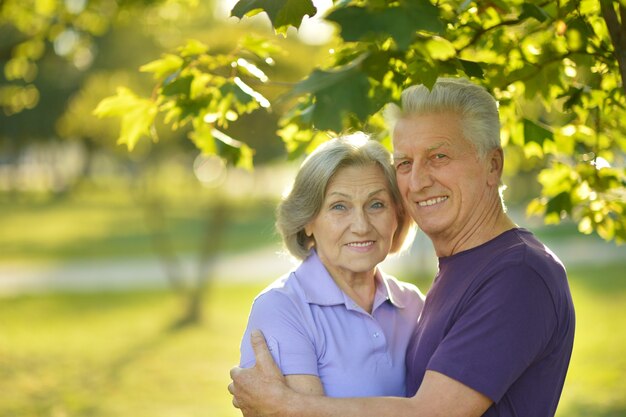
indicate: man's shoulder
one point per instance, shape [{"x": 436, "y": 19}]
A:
[
  {"x": 538, "y": 255},
  {"x": 524, "y": 258},
  {"x": 522, "y": 247},
  {"x": 516, "y": 255}
]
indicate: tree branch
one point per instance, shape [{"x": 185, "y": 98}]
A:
[
  {"x": 477, "y": 35},
  {"x": 483, "y": 30},
  {"x": 617, "y": 32}
]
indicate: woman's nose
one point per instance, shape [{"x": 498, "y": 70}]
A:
[{"x": 360, "y": 222}]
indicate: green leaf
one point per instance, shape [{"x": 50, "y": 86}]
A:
[
  {"x": 400, "y": 22},
  {"x": 440, "y": 49},
  {"x": 422, "y": 72},
  {"x": 200, "y": 86},
  {"x": 472, "y": 69},
  {"x": 193, "y": 47},
  {"x": 260, "y": 46},
  {"x": 376, "y": 65},
  {"x": 178, "y": 86},
  {"x": 574, "y": 98},
  {"x": 137, "y": 115},
  {"x": 535, "y": 133},
  {"x": 242, "y": 97},
  {"x": 163, "y": 67},
  {"x": 534, "y": 11},
  {"x": 234, "y": 151},
  {"x": 282, "y": 13},
  {"x": 300, "y": 141},
  {"x": 425, "y": 15},
  {"x": 202, "y": 137},
  {"x": 347, "y": 97},
  {"x": 337, "y": 93},
  {"x": 585, "y": 225},
  {"x": 183, "y": 110},
  {"x": 321, "y": 79},
  {"x": 562, "y": 202}
]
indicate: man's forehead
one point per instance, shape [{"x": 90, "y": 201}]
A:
[{"x": 399, "y": 153}]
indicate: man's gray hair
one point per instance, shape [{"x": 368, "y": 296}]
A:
[
  {"x": 304, "y": 201},
  {"x": 477, "y": 108}
]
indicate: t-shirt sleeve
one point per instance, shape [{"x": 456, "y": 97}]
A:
[
  {"x": 502, "y": 328},
  {"x": 284, "y": 325}
]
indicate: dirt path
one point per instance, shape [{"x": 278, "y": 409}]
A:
[{"x": 260, "y": 266}]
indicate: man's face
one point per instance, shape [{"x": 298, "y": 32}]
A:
[{"x": 446, "y": 187}]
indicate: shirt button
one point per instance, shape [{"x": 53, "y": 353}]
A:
[{"x": 376, "y": 334}]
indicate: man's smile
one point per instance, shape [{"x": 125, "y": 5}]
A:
[{"x": 432, "y": 201}]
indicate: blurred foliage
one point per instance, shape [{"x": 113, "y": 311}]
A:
[
  {"x": 109, "y": 222},
  {"x": 557, "y": 69},
  {"x": 53, "y": 93},
  {"x": 33, "y": 29}
]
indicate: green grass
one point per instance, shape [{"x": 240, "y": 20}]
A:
[
  {"x": 116, "y": 354},
  {"x": 595, "y": 384}
]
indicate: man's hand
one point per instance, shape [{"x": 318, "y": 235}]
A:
[{"x": 258, "y": 391}]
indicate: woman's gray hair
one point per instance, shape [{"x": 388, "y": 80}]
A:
[
  {"x": 304, "y": 201},
  {"x": 477, "y": 108}
]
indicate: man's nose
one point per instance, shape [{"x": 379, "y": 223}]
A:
[{"x": 421, "y": 177}]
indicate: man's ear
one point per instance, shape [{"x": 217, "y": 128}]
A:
[{"x": 496, "y": 166}]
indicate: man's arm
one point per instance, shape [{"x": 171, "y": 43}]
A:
[
  {"x": 262, "y": 391},
  {"x": 305, "y": 384}
]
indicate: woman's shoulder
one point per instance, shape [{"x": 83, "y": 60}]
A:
[
  {"x": 283, "y": 291},
  {"x": 403, "y": 290}
]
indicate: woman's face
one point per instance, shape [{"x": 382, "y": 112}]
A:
[{"x": 354, "y": 229}]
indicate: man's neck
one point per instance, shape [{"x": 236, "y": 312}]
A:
[{"x": 480, "y": 233}]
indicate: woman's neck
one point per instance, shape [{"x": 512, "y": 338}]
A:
[{"x": 360, "y": 287}]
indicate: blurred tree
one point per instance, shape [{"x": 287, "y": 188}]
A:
[
  {"x": 557, "y": 68},
  {"x": 61, "y": 57}
]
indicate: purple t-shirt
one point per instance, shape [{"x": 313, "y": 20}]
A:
[
  {"x": 314, "y": 328},
  {"x": 499, "y": 318}
]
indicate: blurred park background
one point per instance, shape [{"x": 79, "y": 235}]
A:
[{"x": 126, "y": 277}]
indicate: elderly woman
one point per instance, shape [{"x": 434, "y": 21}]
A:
[{"x": 337, "y": 325}]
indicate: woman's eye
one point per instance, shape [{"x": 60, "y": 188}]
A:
[{"x": 337, "y": 206}]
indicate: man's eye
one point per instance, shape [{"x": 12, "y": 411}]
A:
[
  {"x": 439, "y": 156},
  {"x": 403, "y": 164},
  {"x": 377, "y": 204}
]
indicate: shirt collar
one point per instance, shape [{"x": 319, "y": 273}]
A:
[{"x": 320, "y": 288}]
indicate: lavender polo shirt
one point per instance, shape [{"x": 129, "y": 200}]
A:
[{"x": 314, "y": 328}]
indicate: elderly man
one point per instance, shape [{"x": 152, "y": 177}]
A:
[{"x": 496, "y": 333}]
